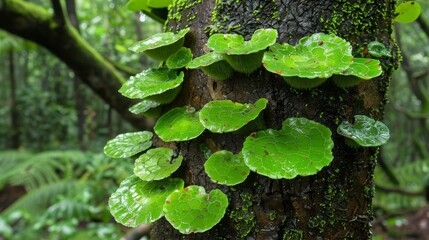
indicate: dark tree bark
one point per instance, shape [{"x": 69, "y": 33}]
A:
[
  {"x": 336, "y": 202},
  {"x": 37, "y": 24}
]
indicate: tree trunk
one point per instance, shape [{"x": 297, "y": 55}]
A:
[
  {"x": 336, "y": 202},
  {"x": 14, "y": 114}
]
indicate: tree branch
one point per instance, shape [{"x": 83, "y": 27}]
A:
[{"x": 34, "y": 23}]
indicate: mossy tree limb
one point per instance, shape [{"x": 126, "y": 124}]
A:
[
  {"x": 336, "y": 202},
  {"x": 34, "y": 23}
]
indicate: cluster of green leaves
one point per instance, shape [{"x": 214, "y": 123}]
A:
[
  {"x": 301, "y": 147},
  {"x": 65, "y": 194}
]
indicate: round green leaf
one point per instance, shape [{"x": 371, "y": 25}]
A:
[
  {"x": 191, "y": 210},
  {"x": 301, "y": 147},
  {"x": 143, "y": 106},
  {"x": 407, "y": 12},
  {"x": 365, "y": 131},
  {"x": 128, "y": 144},
  {"x": 137, "y": 5},
  {"x": 151, "y": 82},
  {"x": 377, "y": 49},
  {"x": 161, "y": 45},
  {"x": 318, "y": 56},
  {"x": 138, "y": 202},
  {"x": 224, "y": 167},
  {"x": 212, "y": 64},
  {"x": 179, "y": 124},
  {"x": 226, "y": 116},
  {"x": 156, "y": 164},
  {"x": 235, "y": 44},
  {"x": 364, "y": 68},
  {"x": 179, "y": 59},
  {"x": 159, "y": 3}
]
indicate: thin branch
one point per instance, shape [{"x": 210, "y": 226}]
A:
[{"x": 58, "y": 12}]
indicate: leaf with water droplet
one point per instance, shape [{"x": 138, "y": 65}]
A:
[
  {"x": 301, "y": 147},
  {"x": 365, "y": 131},
  {"x": 223, "y": 167},
  {"x": 191, "y": 210},
  {"x": 156, "y": 164},
  {"x": 138, "y": 202},
  {"x": 226, "y": 116},
  {"x": 179, "y": 124},
  {"x": 128, "y": 144}
]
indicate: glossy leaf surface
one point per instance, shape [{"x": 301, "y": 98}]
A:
[
  {"x": 226, "y": 116},
  {"x": 179, "y": 124},
  {"x": 318, "y": 56},
  {"x": 143, "y": 106},
  {"x": 364, "y": 68},
  {"x": 159, "y": 3},
  {"x": 128, "y": 144},
  {"x": 156, "y": 164},
  {"x": 223, "y": 167},
  {"x": 235, "y": 44},
  {"x": 377, "y": 49},
  {"x": 301, "y": 147},
  {"x": 191, "y": 210},
  {"x": 179, "y": 59},
  {"x": 158, "y": 40},
  {"x": 138, "y": 202},
  {"x": 151, "y": 82},
  {"x": 365, "y": 131}
]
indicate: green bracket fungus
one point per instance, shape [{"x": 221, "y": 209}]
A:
[
  {"x": 161, "y": 45},
  {"x": 407, "y": 12},
  {"x": 243, "y": 56},
  {"x": 179, "y": 124},
  {"x": 301, "y": 147},
  {"x": 138, "y": 202},
  {"x": 147, "y": 107},
  {"x": 311, "y": 61},
  {"x": 223, "y": 167},
  {"x": 191, "y": 210},
  {"x": 212, "y": 64},
  {"x": 365, "y": 131},
  {"x": 128, "y": 144},
  {"x": 377, "y": 49},
  {"x": 156, "y": 164},
  {"x": 226, "y": 116},
  {"x": 161, "y": 85},
  {"x": 360, "y": 69},
  {"x": 179, "y": 59}
]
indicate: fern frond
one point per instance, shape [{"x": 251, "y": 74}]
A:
[{"x": 37, "y": 200}]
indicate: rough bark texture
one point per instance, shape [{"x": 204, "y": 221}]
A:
[
  {"x": 336, "y": 202},
  {"x": 36, "y": 24}
]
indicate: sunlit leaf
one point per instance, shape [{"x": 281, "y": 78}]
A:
[
  {"x": 212, "y": 64},
  {"x": 226, "y": 116},
  {"x": 407, "y": 11},
  {"x": 224, "y": 167},
  {"x": 138, "y": 202},
  {"x": 151, "y": 82},
  {"x": 301, "y": 147},
  {"x": 317, "y": 56},
  {"x": 191, "y": 210},
  {"x": 156, "y": 164},
  {"x": 128, "y": 144},
  {"x": 179, "y": 59},
  {"x": 179, "y": 124}
]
